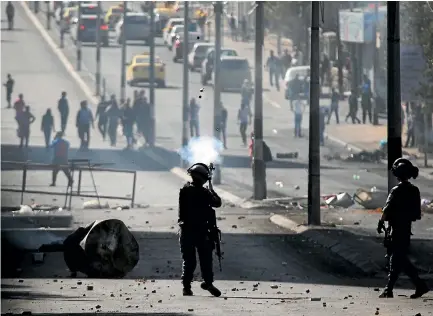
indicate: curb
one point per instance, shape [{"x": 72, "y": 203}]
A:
[
  {"x": 48, "y": 219},
  {"x": 313, "y": 234}
]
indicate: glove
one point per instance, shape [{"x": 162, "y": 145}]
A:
[{"x": 380, "y": 226}]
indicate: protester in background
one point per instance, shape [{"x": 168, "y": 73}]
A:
[
  {"x": 325, "y": 69},
  {"x": 233, "y": 28},
  {"x": 101, "y": 116},
  {"x": 9, "y": 84},
  {"x": 60, "y": 158},
  {"x": 244, "y": 119},
  {"x": 19, "y": 105},
  {"x": 274, "y": 67},
  {"x": 83, "y": 122},
  {"x": 286, "y": 61},
  {"x": 128, "y": 119},
  {"x": 247, "y": 92},
  {"x": 25, "y": 119},
  {"x": 63, "y": 107},
  {"x": 10, "y": 13},
  {"x": 223, "y": 125},
  {"x": 244, "y": 28},
  {"x": 47, "y": 126},
  {"x": 366, "y": 99},
  {"x": 335, "y": 99},
  {"x": 113, "y": 115},
  {"x": 353, "y": 108},
  {"x": 194, "y": 119},
  {"x": 299, "y": 108},
  {"x": 410, "y": 140}
]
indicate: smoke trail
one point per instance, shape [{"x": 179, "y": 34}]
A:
[{"x": 202, "y": 149}]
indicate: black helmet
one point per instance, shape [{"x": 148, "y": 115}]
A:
[
  {"x": 403, "y": 169},
  {"x": 200, "y": 170}
]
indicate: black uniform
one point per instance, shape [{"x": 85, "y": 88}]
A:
[
  {"x": 196, "y": 217},
  {"x": 401, "y": 209}
]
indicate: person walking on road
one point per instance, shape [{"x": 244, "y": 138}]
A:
[
  {"x": 335, "y": 99},
  {"x": 325, "y": 70},
  {"x": 244, "y": 119},
  {"x": 9, "y": 84},
  {"x": 402, "y": 207},
  {"x": 196, "y": 218},
  {"x": 113, "y": 116},
  {"x": 353, "y": 108},
  {"x": 10, "y": 13},
  {"x": 244, "y": 28},
  {"x": 366, "y": 100},
  {"x": 223, "y": 125},
  {"x": 247, "y": 92},
  {"x": 128, "y": 119},
  {"x": 83, "y": 122},
  {"x": 274, "y": 67},
  {"x": 410, "y": 140},
  {"x": 233, "y": 28},
  {"x": 101, "y": 116},
  {"x": 47, "y": 126},
  {"x": 19, "y": 105},
  {"x": 322, "y": 125},
  {"x": 60, "y": 159},
  {"x": 286, "y": 61},
  {"x": 294, "y": 89},
  {"x": 299, "y": 109},
  {"x": 25, "y": 119},
  {"x": 194, "y": 118},
  {"x": 63, "y": 107}
]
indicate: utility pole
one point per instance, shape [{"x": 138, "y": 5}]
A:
[
  {"x": 185, "y": 82},
  {"x": 314, "y": 137},
  {"x": 152, "y": 76},
  {"x": 78, "y": 35},
  {"x": 218, "y": 7},
  {"x": 375, "y": 64},
  {"x": 98, "y": 50},
  {"x": 353, "y": 59},
  {"x": 48, "y": 15},
  {"x": 259, "y": 167},
  {"x": 340, "y": 57},
  {"x": 394, "y": 92},
  {"x": 62, "y": 25},
  {"x": 122, "y": 69}
]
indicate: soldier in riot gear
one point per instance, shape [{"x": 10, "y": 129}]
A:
[
  {"x": 196, "y": 218},
  {"x": 402, "y": 207}
]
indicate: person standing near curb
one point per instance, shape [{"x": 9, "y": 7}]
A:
[
  {"x": 60, "y": 158},
  {"x": 335, "y": 99},
  {"x": 63, "y": 107},
  {"x": 101, "y": 116},
  {"x": 83, "y": 122}
]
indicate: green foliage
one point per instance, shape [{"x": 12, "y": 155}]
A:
[{"x": 417, "y": 28}]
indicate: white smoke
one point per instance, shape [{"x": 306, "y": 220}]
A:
[{"x": 203, "y": 149}]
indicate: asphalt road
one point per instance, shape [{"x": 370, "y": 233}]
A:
[
  {"x": 282, "y": 176},
  {"x": 39, "y": 74}
]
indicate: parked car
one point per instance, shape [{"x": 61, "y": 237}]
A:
[
  {"x": 86, "y": 30},
  {"x": 208, "y": 63},
  {"x": 198, "y": 54},
  {"x": 137, "y": 28},
  {"x": 234, "y": 71}
]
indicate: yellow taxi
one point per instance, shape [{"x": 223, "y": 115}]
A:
[
  {"x": 113, "y": 15},
  {"x": 138, "y": 70}
]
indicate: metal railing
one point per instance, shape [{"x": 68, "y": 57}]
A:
[{"x": 74, "y": 165}]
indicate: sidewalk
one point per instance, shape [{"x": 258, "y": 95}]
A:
[
  {"x": 367, "y": 137},
  {"x": 351, "y": 234}
]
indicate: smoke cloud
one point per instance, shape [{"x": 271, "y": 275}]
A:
[{"x": 202, "y": 149}]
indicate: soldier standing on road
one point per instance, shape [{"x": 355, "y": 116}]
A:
[
  {"x": 60, "y": 158},
  {"x": 47, "y": 126},
  {"x": 194, "y": 118},
  {"x": 335, "y": 99},
  {"x": 83, "y": 122},
  {"x": 113, "y": 116},
  {"x": 274, "y": 67},
  {"x": 101, "y": 116},
  {"x": 244, "y": 119},
  {"x": 25, "y": 119},
  {"x": 63, "y": 107},
  {"x": 196, "y": 217},
  {"x": 353, "y": 108},
  {"x": 10, "y": 13},
  {"x": 402, "y": 207},
  {"x": 9, "y": 89},
  {"x": 128, "y": 119}
]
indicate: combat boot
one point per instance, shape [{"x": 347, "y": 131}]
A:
[
  {"x": 420, "y": 290},
  {"x": 387, "y": 293},
  {"x": 211, "y": 288},
  {"x": 187, "y": 289}
]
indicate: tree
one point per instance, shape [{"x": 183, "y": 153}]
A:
[{"x": 417, "y": 27}]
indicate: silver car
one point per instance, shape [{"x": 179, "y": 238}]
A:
[
  {"x": 234, "y": 71},
  {"x": 136, "y": 28}
]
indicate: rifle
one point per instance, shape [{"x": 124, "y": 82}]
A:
[
  {"x": 387, "y": 245},
  {"x": 215, "y": 235}
]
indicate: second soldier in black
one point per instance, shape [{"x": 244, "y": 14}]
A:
[
  {"x": 402, "y": 207},
  {"x": 196, "y": 216}
]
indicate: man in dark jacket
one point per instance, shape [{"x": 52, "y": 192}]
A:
[
  {"x": 63, "y": 106},
  {"x": 101, "y": 116}
]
